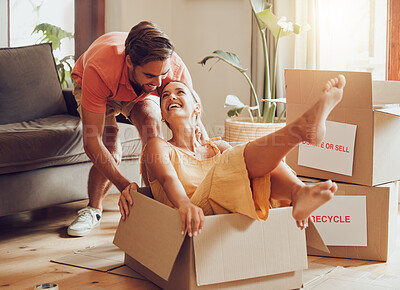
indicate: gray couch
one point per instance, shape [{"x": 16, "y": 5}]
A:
[{"x": 42, "y": 161}]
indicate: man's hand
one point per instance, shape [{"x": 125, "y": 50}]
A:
[
  {"x": 126, "y": 198},
  {"x": 192, "y": 218}
]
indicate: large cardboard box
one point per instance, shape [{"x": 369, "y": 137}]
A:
[
  {"x": 381, "y": 221},
  {"x": 232, "y": 252},
  {"x": 371, "y": 105}
]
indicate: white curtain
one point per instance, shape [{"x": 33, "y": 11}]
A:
[{"x": 355, "y": 42}]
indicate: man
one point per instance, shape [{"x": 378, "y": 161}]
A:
[{"x": 117, "y": 74}]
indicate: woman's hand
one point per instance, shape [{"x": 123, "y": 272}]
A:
[
  {"x": 126, "y": 198},
  {"x": 157, "y": 159},
  {"x": 192, "y": 218}
]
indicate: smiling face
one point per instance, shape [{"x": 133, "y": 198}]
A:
[
  {"x": 178, "y": 101},
  {"x": 149, "y": 76}
]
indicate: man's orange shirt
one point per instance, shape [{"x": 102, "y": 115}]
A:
[{"x": 102, "y": 73}]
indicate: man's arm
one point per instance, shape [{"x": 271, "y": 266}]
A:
[
  {"x": 93, "y": 126},
  {"x": 146, "y": 116}
]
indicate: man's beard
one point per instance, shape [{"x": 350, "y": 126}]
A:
[{"x": 135, "y": 85}]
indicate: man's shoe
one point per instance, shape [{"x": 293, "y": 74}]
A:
[{"x": 88, "y": 218}]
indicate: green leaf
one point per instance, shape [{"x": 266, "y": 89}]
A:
[
  {"x": 278, "y": 26},
  {"x": 238, "y": 106},
  {"x": 63, "y": 73},
  {"x": 51, "y": 33},
  {"x": 228, "y": 57},
  {"x": 232, "y": 100},
  {"x": 235, "y": 112},
  {"x": 267, "y": 19},
  {"x": 281, "y": 115},
  {"x": 300, "y": 28},
  {"x": 259, "y": 5}
]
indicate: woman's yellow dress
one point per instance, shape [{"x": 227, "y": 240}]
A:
[{"x": 219, "y": 184}]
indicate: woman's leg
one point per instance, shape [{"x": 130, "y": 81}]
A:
[
  {"x": 283, "y": 182},
  {"x": 265, "y": 153},
  {"x": 305, "y": 198}
]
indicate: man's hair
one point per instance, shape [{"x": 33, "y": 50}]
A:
[{"x": 145, "y": 43}]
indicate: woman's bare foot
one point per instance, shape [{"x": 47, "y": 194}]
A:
[
  {"x": 312, "y": 122},
  {"x": 307, "y": 198}
]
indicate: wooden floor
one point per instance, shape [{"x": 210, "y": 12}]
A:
[{"x": 28, "y": 242}]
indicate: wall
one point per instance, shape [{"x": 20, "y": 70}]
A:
[{"x": 197, "y": 28}]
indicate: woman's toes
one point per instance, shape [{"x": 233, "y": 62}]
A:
[
  {"x": 334, "y": 187},
  {"x": 341, "y": 81},
  {"x": 325, "y": 185}
]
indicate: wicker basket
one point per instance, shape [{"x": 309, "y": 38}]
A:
[{"x": 241, "y": 130}]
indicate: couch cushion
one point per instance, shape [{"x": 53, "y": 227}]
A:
[
  {"x": 55, "y": 140},
  {"x": 29, "y": 85}
]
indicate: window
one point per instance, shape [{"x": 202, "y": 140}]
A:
[
  {"x": 50, "y": 17},
  {"x": 353, "y": 35}
]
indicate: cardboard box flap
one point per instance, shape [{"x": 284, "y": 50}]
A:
[
  {"x": 385, "y": 92},
  {"x": 305, "y": 87},
  {"x": 356, "y": 108},
  {"x": 314, "y": 239},
  {"x": 388, "y": 109},
  {"x": 233, "y": 247},
  {"x": 155, "y": 244}
]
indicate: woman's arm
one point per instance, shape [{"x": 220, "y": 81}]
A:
[{"x": 159, "y": 166}]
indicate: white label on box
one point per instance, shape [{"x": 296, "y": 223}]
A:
[
  {"x": 342, "y": 221},
  {"x": 336, "y": 152}
]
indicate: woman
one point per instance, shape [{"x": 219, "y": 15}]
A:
[{"x": 213, "y": 178}]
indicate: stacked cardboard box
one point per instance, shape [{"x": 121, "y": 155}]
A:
[{"x": 360, "y": 152}]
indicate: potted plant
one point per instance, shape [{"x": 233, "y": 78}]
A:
[
  {"x": 54, "y": 34},
  {"x": 265, "y": 108}
]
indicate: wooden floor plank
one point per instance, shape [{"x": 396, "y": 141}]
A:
[{"x": 28, "y": 242}]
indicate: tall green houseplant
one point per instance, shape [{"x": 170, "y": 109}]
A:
[
  {"x": 54, "y": 34},
  {"x": 279, "y": 28}
]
